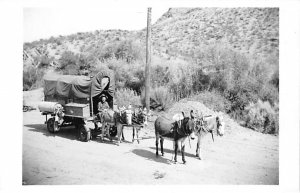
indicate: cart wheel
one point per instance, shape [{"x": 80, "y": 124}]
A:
[
  {"x": 25, "y": 109},
  {"x": 113, "y": 131},
  {"x": 52, "y": 125},
  {"x": 84, "y": 133}
]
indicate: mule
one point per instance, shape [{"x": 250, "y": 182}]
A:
[
  {"x": 165, "y": 128},
  {"x": 117, "y": 119},
  {"x": 140, "y": 120},
  {"x": 206, "y": 125}
]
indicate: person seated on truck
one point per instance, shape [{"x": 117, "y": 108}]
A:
[
  {"x": 102, "y": 109},
  {"x": 102, "y": 105}
]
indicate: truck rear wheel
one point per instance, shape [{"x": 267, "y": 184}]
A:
[{"x": 84, "y": 133}]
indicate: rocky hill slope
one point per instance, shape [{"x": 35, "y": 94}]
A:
[
  {"x": 249, "y": 30},
  {"x": 180, "y": 32}
]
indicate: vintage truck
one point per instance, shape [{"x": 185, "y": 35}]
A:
[{"x": 72, "y": 100}]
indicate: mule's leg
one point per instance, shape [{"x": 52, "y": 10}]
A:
[
  {"x": 119, "y": 132},
  {"x": 156, "y": 143},
  {"x": 133, "y": 134},
  {"x": 162, "y": 146},
  {"x": 183, "y": 153},
  {"x": 176, "y": 148},
  {"x": 123, "y": 138},
  {"x": 102, "y": 131},
  {"x": 108, "y": 133},
  {"x": 198, "y": 149},
  {"x": 137, "y": 134}
]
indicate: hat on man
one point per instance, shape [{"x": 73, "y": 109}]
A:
[{"x": 103, "y": 95}]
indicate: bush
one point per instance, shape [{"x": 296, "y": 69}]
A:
[
  {"x": 269, "y": 93},
  {"x": 32, "y": 78},
  {"x": 275, "y": 79},
  {"x": 68, "y": 58},
  {"x": 160, "y": 98},
  {"x": 262, "y": 117},
  {"x": 44, "y": 62},
  {"x": 127, "y": 75},
  {"x": 125, "y": 96}
]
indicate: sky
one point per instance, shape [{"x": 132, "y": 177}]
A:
[{"x": 44, "y": 22}]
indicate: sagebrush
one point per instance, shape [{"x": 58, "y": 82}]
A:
[
  {"x": 126, "y": 97},
  {"x": 261, "y": 116}
]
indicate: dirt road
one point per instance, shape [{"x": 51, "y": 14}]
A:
[{"x": 242, "y": 156}]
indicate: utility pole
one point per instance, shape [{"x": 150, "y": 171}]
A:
[{"x": 148, "y": 60}]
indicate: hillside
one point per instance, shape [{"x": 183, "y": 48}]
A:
[
  {"x": 179, "y": 33},
  {"x": 227, "y": 58},
  {"x": 249, "y": 30}
]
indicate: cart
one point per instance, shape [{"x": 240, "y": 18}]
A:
[{"x": 72, "y": 100}]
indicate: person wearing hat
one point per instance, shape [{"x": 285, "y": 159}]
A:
[
  {"x": 102, "y": 107},
  {"x": 103, "y": 104}
]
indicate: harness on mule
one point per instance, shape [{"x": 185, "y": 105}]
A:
[{"x": 203, "y": 126}]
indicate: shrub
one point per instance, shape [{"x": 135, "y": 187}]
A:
[
  {"x": 262, "y": 117},
  {"x": 32, "y": 78},
  {"x": 68, "y": 58},
  {"x": 125, "y": 96},
  {"x": 44, "y": 62},
  {"x": 160, "y": 75},
  {"x": 269, "y": 93},
  {"x": 160, "y": 98},
  {"x": 275, "y": 79}
]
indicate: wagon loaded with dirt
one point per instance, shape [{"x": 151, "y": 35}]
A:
[{"x": 72, "y": 100}]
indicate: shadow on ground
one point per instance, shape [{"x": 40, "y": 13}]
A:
[
  {"x": 69, "y": 132},
  {"x": 172, "y": 152},
  {"x": 65, "y": 132},
  {"x": 151, "y": 156}
]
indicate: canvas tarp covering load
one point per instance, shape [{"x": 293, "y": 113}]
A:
[
  {"x": 97, "y": 87},
  {"x": 71, "y": 86}
]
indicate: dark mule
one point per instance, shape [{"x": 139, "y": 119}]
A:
[{"x": 165, "y": 128}]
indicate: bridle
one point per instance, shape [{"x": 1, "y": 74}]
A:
[{"x": 183, "y": 129}]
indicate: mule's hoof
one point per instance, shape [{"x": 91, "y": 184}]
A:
[
  {"x": 156, "y": 154},
  {"x": 184, "y": 162},
  {"x": 162, "y": 154}
]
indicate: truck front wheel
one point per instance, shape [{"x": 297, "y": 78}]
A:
[{"x": 52, "y": 125}]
